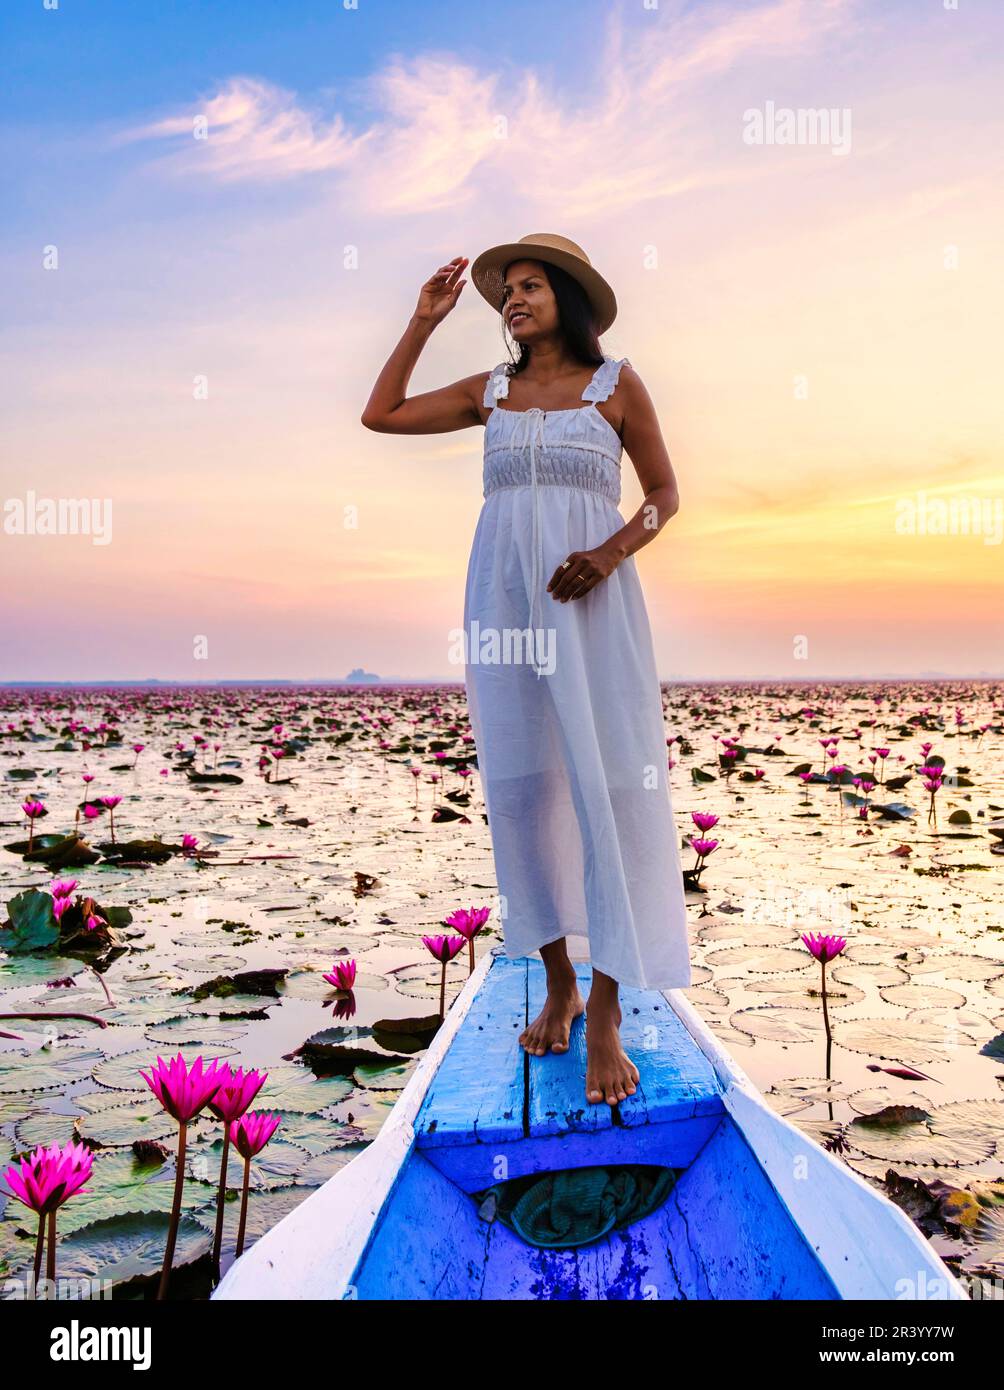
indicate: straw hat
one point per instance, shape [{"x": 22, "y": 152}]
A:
[{"x": 487, "y": 272}]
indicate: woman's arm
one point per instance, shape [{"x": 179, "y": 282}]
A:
[
  {"x": 643, "y": 441},
  {"x": 452, "y": 407}
]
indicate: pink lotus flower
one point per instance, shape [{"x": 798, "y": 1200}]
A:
[
  {"x": 444, "y": 948},
  {"x": 59, "y": 906},
  {"x": 236, "y": 1093},
  {"x": 43, "y": 1181},
  {"x": 188, "y": 843},
  {"x": 704, "y": 820},
  {"x": 343, "y": 974},
  {"x": 62, "y": 887},
  {"x": 110, "y": 801},
  {"x": 249, "y": 1135},
  {"x": 824, "y": 948},
  {"x": 468, "y": 922},
  {"x": 184, "y": 1091},
  {"x": 704, "y": 847},
  {"x": 32, "y": 809},
  {"x": 252, "y": 1131},
  {"x": 48, "y": 1177}
]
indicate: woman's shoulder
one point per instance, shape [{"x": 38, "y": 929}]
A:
[
  {"x": 495, "y": 384},
  {"x": 607, "y": 377}
]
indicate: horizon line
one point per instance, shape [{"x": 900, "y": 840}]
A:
[{"x": 935, "y": 676}]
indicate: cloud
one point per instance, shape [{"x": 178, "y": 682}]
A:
[
  {"x": 446, "y": 132},
  {"x": 253, "y": 131}
]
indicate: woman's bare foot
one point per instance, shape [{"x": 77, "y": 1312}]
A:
[
  {"x": 610, "y": 1073},
  {"x": 550, "y": 1030}
]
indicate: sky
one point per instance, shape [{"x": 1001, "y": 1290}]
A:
[{"x": 218, "y": 219}]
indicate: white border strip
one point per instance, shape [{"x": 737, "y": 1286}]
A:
[
  {"x": 314, "y": 1252},
  {"x": 868, "y": 1246}
]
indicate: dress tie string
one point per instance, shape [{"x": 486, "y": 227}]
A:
[{"x": 529, "y": 433}]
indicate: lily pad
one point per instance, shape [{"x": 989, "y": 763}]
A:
[
  {"x": 122, "y": 1186},
  {"x": 47, "y": 1069},
  {"x": 774, "y": 1024},
  {"x": 129, "y": 1247},
  {"x": 291, "y": 1087}
]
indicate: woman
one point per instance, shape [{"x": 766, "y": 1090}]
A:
[{"x": 564, "y": 698}]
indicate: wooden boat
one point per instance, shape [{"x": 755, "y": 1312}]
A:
[{"x": 760, "y": 1211}]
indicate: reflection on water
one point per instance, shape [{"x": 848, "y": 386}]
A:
[{"x": 369, "y": 830}]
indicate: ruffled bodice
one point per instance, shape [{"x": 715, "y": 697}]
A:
[
  {"x": 570, "y": 448},
  {"x": 539, "y": 449}
]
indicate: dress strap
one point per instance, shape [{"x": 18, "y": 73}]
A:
[
  {"x": 497, "y": 385},
  {"x": 604, "y": 381}
]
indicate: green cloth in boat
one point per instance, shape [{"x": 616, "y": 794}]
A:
[{"x": 579, "y": 1205}]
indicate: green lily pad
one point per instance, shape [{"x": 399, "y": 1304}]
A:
[
  {"x": 129, "y": 1247},
  {"x": 290, "y": 1087},
  {"x": 278, "y": 1164},
  {"x": 265, "y": 1210},
  {"x": 31, "y": 924},
  {"x": 316, "y": 1134},
  {"x": 774, "y": 1024},
  {"x": 44, "y": 1128},
  {"x": 122, "y": 1186},
  {"x": 47, "y": 1069},
  {"x": 197, "y": 1030},
  {"x": 122, "y": 1072},
  {"x": 21, "y": 971},
  {"x": 375, "y": 1077},
  {"x": 120, "y": 1125}
]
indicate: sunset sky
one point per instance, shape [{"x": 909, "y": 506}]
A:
[{"x": 820, "y": 331}]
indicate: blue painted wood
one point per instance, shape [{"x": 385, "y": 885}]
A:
[
  {"x": 676, "y": 1081},
  {"x": 473, "y": 1167},
  {"x": 477, "y": 1095},
  {"x": 493, "y": 1114},
  {"x": 731, "y": 1236},
  {"x": 723, "y": 1234}
]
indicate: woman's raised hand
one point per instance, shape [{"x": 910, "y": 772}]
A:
[{"x": 441, "y": 291}]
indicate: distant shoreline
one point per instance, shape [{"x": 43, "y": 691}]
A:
[{"x": 391, "y": 683}]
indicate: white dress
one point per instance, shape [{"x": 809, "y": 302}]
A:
[{"x": 569, "y": 729}]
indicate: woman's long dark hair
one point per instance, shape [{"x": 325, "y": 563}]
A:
[{"x": 575, "y": 317}]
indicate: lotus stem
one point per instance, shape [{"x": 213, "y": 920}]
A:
[
  {"x": 220, "y": 1199},
  {"x": 101, "y": 981},
  {"x": 50, "y": 1253},
  {"x": 39, "y": 1244},
  {"x": 172, "y": 1232},
  {"x": 826, "y": 1022},
  {"x": 244, "y": 1206}
]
